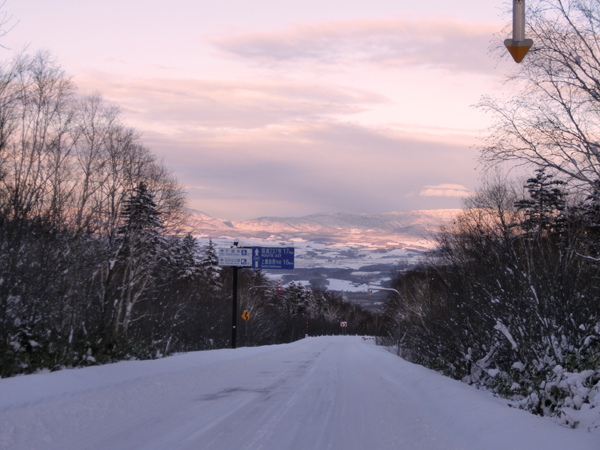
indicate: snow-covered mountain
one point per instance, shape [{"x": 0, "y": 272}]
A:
[
  {"x": 375, "y": 229},
  {"x": 340, "y": 252}
]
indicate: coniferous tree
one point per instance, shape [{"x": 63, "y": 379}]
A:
[
  {"x": 210, "y": 255},
  {"x": 210, "y": 266},
  {"x": 591, "y": 209},
  {"x": 547, "y": 201},
  {"x": 139, "y": 250},
  {"x": 142, "y": 224},
  {"x": 186, "y": 263}
]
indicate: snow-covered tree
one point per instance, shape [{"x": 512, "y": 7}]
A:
[
  {"x": 210, "y": 266},
  {"x": 210, "y": 255},
  {"x": 140, "y": 244},
  {"x": 185, "y": 262}
]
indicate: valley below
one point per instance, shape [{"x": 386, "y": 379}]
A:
[{"x": 339, "y": 252}]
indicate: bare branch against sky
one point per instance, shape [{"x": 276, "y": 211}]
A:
[{"x": 7, "y": 23}]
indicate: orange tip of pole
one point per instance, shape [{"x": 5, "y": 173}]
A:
[{"x": 518, "y": 49}]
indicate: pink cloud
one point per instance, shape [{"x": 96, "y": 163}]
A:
[
  {"x": 445, "y": 190},
  {"x": 437, "y": 42},
  {"x": 287, "y": 148},
  {"x": 314, "y": 166},
  {"x": 227, "y": 103}
]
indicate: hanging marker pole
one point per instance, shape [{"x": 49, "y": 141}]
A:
[
  {"x": 518, "y": 20},
  {"x": 518, "y": 46}
]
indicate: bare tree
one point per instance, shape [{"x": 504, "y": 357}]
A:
[
  {"x": 6, "y": 22},
  {"x": 94, "y": 122},
  {"x": 68, "y": 167},
  {"x": 37, "y": 144},
  {"x": 552, "y": 118}
]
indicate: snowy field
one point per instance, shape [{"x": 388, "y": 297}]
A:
[
  {"x": 319, "y": 393},
  {"x": 334, "y": 258},
  {"x": 335, "y": 251},
  {"x": 311, "y": 254}
]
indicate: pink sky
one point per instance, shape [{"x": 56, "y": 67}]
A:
[{"x": 287, "y": 108}]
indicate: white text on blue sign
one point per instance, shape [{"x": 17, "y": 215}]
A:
[{"x": 273, "y": 258}]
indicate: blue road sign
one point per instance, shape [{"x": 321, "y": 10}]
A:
[{"x": 273, "y": 258}]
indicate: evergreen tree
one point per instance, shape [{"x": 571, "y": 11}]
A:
[
  {"x": 299, "y": 300},
  {"x": 591, "y": 209},
  {"x": 141, "y": 247},
  {"x": 587, "y": 213},
  {"x": 545, "y": 205},
  {"x": 142, "y": 225},
  {"x": 210, "y": 255},
  {"x": 187, "y": 266},
  {"x": 210, "y": 266}
]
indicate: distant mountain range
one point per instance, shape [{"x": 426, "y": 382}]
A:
[{"x": 381, "y": 230}]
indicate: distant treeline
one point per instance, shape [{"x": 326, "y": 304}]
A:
[{"x": 95, "y": 264}]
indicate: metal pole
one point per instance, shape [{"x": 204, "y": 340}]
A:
[
  {"x": 518, "y": 20},
  {"x": 234, "y": 307}
]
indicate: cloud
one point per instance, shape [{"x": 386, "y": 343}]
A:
[
  {"x": 314, "y": 167},
  {"x": 445, "y": 43},
  {"x": 274, "y": 149},
  {"x": 218, "y": 104},
  {"x": 445, "y": 190}
]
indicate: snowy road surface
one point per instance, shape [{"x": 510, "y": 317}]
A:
[{"x": 319, "y": 393}]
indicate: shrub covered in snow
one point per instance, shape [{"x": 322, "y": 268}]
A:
[{"x": 510, "y": 301}]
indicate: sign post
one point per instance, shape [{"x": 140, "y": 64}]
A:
[
  {"x": 256, "y": 258},
  {"x": 344, "y": 325},
  {"x": 235, "y": 257},
  {"x": 234, "y": 308}
]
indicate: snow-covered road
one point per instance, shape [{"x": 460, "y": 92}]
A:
[{"x": 319, "y": 393}]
